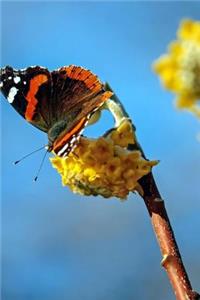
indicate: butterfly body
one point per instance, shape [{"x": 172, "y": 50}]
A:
[{"x": 59, "y": 103}]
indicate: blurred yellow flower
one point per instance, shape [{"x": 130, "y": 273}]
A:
[
  {"x": 104, "y": 166},
  {"x": 179, "y": 70}
]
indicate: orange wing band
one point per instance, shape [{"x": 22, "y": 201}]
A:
[
  {"x": 35, "y": 83},
  {"x": 61, "y": 142},
  {"x": 106, "y": 95},
  {"x": 79, "y": 73}
]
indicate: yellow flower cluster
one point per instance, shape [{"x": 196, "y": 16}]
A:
[
  {"x": 104, "y": 166},
  {"x": 179, "y": 70}
]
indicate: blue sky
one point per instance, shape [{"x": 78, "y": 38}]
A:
[{"x": 57, "y": 245}]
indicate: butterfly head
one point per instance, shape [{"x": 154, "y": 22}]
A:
[
  {"x": 56, "y": 132},
  {"x": 62, "y": 139}
]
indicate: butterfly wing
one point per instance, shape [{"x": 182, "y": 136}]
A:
[
  {"x": 58, "y": 102},
  {"x": 76, "y": 94},
  {"x": 28, "y": 91}
]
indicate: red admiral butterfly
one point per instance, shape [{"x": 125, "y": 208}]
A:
[{"x": 59, "y": 103}]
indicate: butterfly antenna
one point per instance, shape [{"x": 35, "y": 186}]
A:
[
  {"x": 17, "y": 161},
  {"x": 41, "y": 164}
]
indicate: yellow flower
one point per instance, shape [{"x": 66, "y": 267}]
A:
[
  {"x": 113, "y": 168},
  {"x": 189, "y": 30},
  {"x": 100, "y": 150},
  {"x": 103, "y": 167},
  {"x": 123, "y": 135},
  {"x": 179, "y": 70}
]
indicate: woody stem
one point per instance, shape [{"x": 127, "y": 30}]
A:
[{"x": 171, "y": 261}]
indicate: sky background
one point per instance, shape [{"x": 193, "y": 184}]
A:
[{"x": 60, "y": 246}]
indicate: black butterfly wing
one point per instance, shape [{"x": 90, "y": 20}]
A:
[
  {"x": 29, "y": 92},
  {"x": 76, "y": 92}
]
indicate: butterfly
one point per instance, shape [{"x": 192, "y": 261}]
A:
[{"x": 59, "y": 103}]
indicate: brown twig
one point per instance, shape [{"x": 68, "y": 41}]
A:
[{"x": 172, "y": 261}]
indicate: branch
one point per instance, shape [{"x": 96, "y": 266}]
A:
[{"x": 172, "y": 261}]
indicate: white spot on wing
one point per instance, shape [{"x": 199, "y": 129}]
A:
[
  {"x": 73, "y": 140},
  {"x": 1, "y": 84},
  {"x": 17, "y": 79},
  {"x": 12, "y": 93},
  {"x": 10, "y": 77},
  {"x": 63, "y": 149}
]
